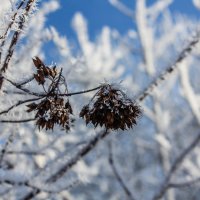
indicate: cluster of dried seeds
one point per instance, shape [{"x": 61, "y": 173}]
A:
[
  {"x": 51, "y": 111},
  {"x": 112, "y": 109}
]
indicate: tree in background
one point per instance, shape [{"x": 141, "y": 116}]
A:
[{"x": 158, "y": 62}]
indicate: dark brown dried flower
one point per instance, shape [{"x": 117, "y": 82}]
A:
[
  {"x": 51, "y": 111},
  {"x": 112, "y": 109}
]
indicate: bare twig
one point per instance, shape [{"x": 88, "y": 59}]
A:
[
  {"x": 14, "y": 40},
  {"x": 3, "y": 151},
  {"x": 169, "y": 70},
  {"x": 31, "y": 153},
  {"x": 166, "y": 183},
  {"x": 26, "y": 81},
  {"x": 41, "y": 189},
  {"x": 81, "y": 153},
  {"x": 117, "y": 175},
  {"x": 17, "y": 121},
  {"x": 184, "y": 184},
  {"x": 43, "y": 94},
  {"x": 14, "y": 92},
  {"x": 80, "y": 92},
  {"x": 19, "y": 86},
  {"x": 63, "y": 169},
  {"x": 9, "y": 27},
  {"x": 18, "y": 104}
]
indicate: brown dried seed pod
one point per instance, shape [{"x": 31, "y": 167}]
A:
[
  {"x": 43, "y": 71},
  {"x": 37, "y": 62},
  {"x": 111, "y": 108},
  {"x": 51, "y": 111},
  {"x": 84, "y": 111},
  {"x": 31, "y": 107},
  {"x": 53, "y": 72}
]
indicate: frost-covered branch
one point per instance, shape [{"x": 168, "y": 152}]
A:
[
  {"x": 15, "y": 38},
  {"x": 80, "y": 154},
  {"x": 69, "y": 164},
  {"x": 163, "y": 76},
  {"x": 178, "y": 161},
  {"x": 145, "y": 36},
  {"x": 4, "y": 36},
  {"x": 19, "y": 86}
]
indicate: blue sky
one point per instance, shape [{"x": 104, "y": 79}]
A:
[{"x": 100, "y": 13}]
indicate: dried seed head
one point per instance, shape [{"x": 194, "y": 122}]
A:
[
  {"x": 112, "y": 109},
  {"x": 51, "y": 111}
]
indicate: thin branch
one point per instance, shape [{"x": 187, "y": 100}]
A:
[
  {"x": 14, "y": 40},
  {"x": 80, "y": 154},
  {"x": 26, "y": 81},
  {"x": 19, "y": 86},
  {"x": 26, "y": 91},
  {"x": 117, "y": 175},
  {"x": 169, "y": 70},
  {"x": 17, "y": 121},
  {"x": 30, "y": 153},
  {"x": 184, "y": 184},
  {"x": 3, "y": 152},
  {"x": 41, "y": 189},
  {"x": 80, "y": 92},
  {"x": 64, "y": 169},
  {"x": 31, "y": 194},
  {"x": 9, "y": 27},
  {"x": 165, "y": 185},
  {"x": 18, "y": 104},
  {"x": 14, "y": 92}
]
